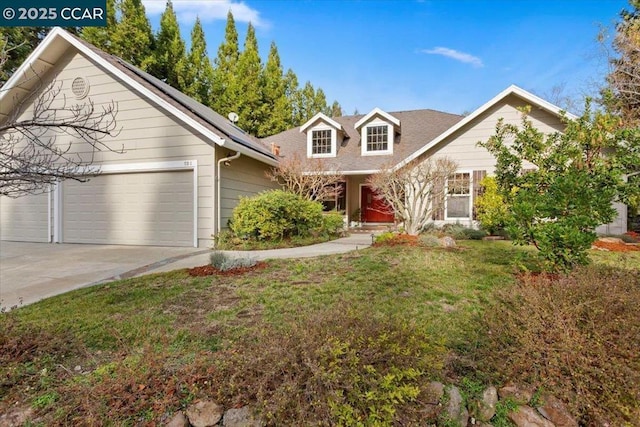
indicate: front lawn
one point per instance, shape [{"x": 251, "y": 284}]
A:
[{"x": 333, "y": 340}]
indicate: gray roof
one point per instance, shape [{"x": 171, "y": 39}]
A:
[
  {"x": 201, "y": 113},
  {"x": 417, "y": 128}
]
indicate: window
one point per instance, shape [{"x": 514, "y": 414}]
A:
[
  {"x": 459, "y": 195},
  {"x": 339, "y": 200},
  {"x": 321, "y": 142},
  {"x": 377, "y": 138}
]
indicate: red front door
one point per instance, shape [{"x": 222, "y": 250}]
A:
[{"x": 372, "y": 208}]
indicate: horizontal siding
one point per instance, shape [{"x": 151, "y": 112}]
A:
[
  {"x": 462, "y": 146},
  {"x": 244, "y": 177},
  {"x": 146, "y": 132}
]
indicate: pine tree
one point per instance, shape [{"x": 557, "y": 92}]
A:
[
  {"x": 276, "y": 106},
  {"x": 132, "y": 39},
  {"x": 292, "y": 92},
  {"x": 248, "y": 85},
  {"x": 101, "y": 36},
  {"x": 169, "y": 56},
  {"x": 197, "y": 77},
  {"x": 336, "y": 109},
  {"x": 223, "y": 100},
  {"x": 17, "y": 43}
]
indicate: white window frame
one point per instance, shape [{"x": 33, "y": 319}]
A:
[
  {"x": 470, "y": 195},
  {"x": 390, "y": 138},
  {"x": 321, "y": 127}
]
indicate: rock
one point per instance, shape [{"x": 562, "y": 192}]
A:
[
  {"x": 77, "y": 368},
  {"x": 611, "y": 240},
  {"x": 178, "y": 420},
  {"x": 487, "y": 407},
  {"x": 556, "y": 412},
  {"x": 432, "y": 396},
  {"x": 526, "y": 416},
  {"x": 241, "y": 417},
  {"x": 447, "y": 242},
  {"x": 455, "y": 409},
  {"x": 521, "y": 396},
  {"x": 204, "y": 414},
  {"x": 16, "y": 417}
]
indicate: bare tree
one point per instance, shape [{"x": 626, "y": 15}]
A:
[
  {"x": 309, "y": 178},
  {"x": 414, "y": 191},
  {"x": 31, "y": 155}
]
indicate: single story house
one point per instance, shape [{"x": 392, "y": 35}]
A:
[
  {"x": 361, "y": 145},
  {"x": 184, "y": 167}
]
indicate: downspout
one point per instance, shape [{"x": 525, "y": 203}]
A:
[{"x": 225, "y": 160}]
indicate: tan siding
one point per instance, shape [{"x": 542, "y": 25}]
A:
[
  {"x": 353, "y": 194},
  {"x": 244, "y": 177},
  {"x": 462, "y": 146},
  {"x": 147, "y": 133}
]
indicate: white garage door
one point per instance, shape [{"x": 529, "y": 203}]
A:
[
  {"x": 151, "y": 208},
  {"x": 24, "y": 219}
]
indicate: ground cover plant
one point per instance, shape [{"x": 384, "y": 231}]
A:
[{"x": 307, "y": 344}]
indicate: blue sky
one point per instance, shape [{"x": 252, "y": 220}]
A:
[{"x": 403, "y": 55}]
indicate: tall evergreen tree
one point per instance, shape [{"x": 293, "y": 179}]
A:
[
  {"x": 336, "y": 109},
  {"x": 248, "y": 85},
  {"x": 223, "y": 100},
  {"x": 132, "y": 39},
  {"x": 197, "y": 77},
  {"x": 292, "y": 92},
  {"x": 277, "y": 109},
  {"x": 169, "y": 56},
  {"x": 17, "y": 43},
  {"x": 101, "y": 36}
]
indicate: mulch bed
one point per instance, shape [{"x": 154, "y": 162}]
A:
[
  {"x": 209, "y": 270},
  {"x": 616, "y": 246}
]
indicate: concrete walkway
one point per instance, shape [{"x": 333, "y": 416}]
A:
[
  {"x": 342, "y": 245},
  {"x": 30, "y": 272}
]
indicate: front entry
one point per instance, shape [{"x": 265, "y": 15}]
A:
[{"x": 372, "y": 208}]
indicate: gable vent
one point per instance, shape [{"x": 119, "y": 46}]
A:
[{"x": 80, "y": 87}]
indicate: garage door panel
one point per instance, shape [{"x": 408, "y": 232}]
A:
[
  {"x": 154, "y": 208},
  {"x": 25, "y": 219}
]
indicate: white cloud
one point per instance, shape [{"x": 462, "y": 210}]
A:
[
  {"x": 207, "y": 10},
  {"x": 454, "y": 54}
]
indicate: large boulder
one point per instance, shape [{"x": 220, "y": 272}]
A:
[
  {"x": 456, "y": 410},
  {"x": 526, "y": 416},
  {"x": 240, "y": 417},
  {"x": 556, "y": 412}
]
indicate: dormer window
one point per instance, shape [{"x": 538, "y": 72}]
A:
[
  {"x": 378, "y": 130},
  {"x": 322, "y": 136},
  {"x": 377, "y": 138},
  {"x": 321, "y": 141}
]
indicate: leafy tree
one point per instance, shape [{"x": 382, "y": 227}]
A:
[
  {"x": 277, "y": 109},
  {"x": 197, "y": 76},
  {"x": 249, "y": 85},
  {"x": 411, "y": 191},
  {"x": 17, "y": 43},
  {"x": 578, "y": 174},
  {"x": 225, "y": 69},
  {"x": 132, "y": 38},
  {"x": 169, "y": 55}
]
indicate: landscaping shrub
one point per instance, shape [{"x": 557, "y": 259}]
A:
[
  {"x": 340, "y": 366},
  {"x": 574, "y": 335},
  {"x": 276, "y": 214},
  {"x": 332, "y": 223},
  {"x": 491, "y": 208},
  {"x": 429, "y": 240},
  {"x": 460, "y": 232},
  {"x": 224, "y": 262}
]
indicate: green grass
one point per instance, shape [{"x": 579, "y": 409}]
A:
[{"x": 148, "y": 346}]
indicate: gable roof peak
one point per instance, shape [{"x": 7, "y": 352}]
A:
[
  {"x": 377, "y": 112},
  {"x": 320, "y": 116}
]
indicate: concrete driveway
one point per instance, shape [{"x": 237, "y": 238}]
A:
[{"x": 30, "y": 272}]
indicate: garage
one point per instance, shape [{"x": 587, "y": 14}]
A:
[
  {"x": 25, "y": 219},
  {"x": 146, "y": 208}
]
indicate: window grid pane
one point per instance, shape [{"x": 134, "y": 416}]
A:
[
  {"x": 321, "y": 142},
  {"x": 459, "y": 195},
  {"x": 377, "y": 138}
]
